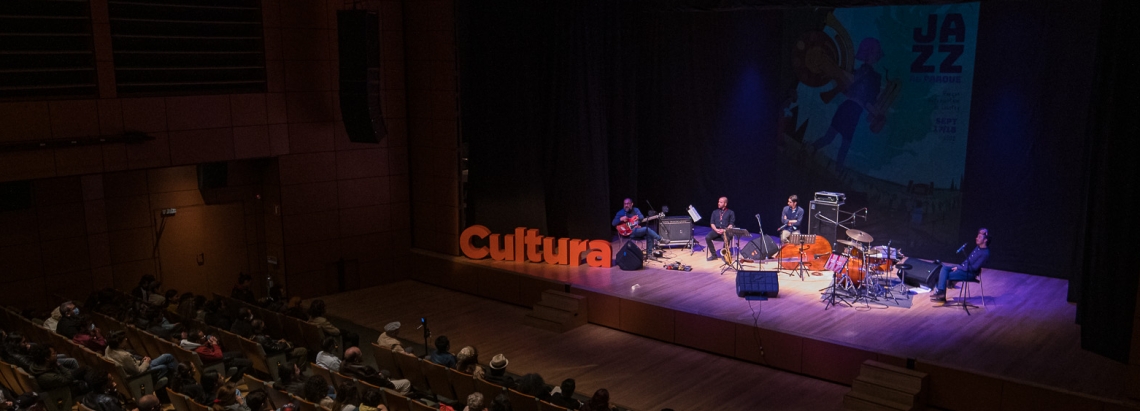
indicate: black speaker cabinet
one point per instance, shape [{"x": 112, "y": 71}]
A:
[
  {"x": 358, "y": 35},
  {"x": 762, "y": 284},
  {"x": 755, "y": 249},
  {"x": 629, "y": 256},
  {"x": 820, "y": 226},
  {"x": 676, "y": 229},
  {"x": 921, "y": 272}
]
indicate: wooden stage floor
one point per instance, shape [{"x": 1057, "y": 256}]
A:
[{"x": 1026, "y": 334}]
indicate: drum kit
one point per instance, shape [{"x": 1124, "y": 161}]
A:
[{"x": 861, "y": 270}]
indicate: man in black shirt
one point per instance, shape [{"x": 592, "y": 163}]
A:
[{"x": 721, "y": 219}]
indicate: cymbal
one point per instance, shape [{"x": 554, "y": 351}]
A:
[
  {"x": 850, "y": 243},
  {"x": 860, "y": 236}
]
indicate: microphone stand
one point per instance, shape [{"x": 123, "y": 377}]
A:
[
  {"x": 427, "y": 334},
  {"x": 765, "y": 243}
]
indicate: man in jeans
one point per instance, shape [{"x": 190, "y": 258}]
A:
[
  {"x": 968, "y": 270},
  {"x": 135, "y": 364}
]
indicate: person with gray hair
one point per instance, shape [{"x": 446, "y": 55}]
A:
[{"x": 475, "y": 402}]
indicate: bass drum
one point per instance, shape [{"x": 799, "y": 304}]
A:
[{"x": 854, "y": 269}]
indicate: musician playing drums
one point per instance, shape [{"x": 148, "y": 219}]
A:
[
  {"x": 966, "y": 271},
  {"x": 721, "y": 219},
  {"x": 630, "y": 215},
  {"x": 790, "y": 218}
]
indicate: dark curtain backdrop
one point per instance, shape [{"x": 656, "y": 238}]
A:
[
  {"x": 1108, "y": 277},
  {"x": 568, "y": 107}
]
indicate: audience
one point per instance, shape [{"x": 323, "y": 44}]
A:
[
  {"x": 258, "y": 401},
  {"x": 533, "y": 385},
  {"x": 372, "y": 400},
  {"x": 295, "y": 310},
  {"x": 53, "y": 319},
  {"x": 297, "y": 355},
  {"x": 89, "y": 336},
  {"x": 317, "y": 317},
  {"x": 388, "y": 339},
  {"x": 498, "y": 373},
  {"x": 501, "y": 403},
  {"x": 475, "y": 402},
  {"x": 49, "y": 374},
  {"x": 243, "y": 324},
  {"x": 134, "y": 364},
  {"x": 327, "y": 358},
  {"x": 241, "y": 291},
  {"x": 347, "y": 397},
  {"x": 149, "y": 402},
  {"x": 182, "y": 382},
  {"x": 441, "y": 355},
  {"x": 289, "y": 379},
  {"x": 102, "y": 395},
  {"x": 565, "y": 396},
  {"x": 316, "y": 390},
  {"x": 69, "y": 320},
  {"x": 599, "y": 402},
  {"x": 353, "y": 366},
  {"x": 211, "y": 351},
  {"x": 228, "y": 399},
  {"x": 467, "y": 361}
]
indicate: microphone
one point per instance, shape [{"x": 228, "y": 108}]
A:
[
  {"x": 758, "y": 216},
  {"x": 963, "y": 247}
]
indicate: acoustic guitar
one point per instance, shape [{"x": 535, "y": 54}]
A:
[{"x": 626, "y": 228}]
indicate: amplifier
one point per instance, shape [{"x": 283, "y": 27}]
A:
[
  {"x": 830, "y": 197},
  {"x": 676, "y": 230}
]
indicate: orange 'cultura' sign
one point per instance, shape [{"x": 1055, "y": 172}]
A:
[{"x": 527, "y": 245}]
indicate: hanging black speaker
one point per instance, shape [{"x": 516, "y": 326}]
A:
[{"x": 358, "y": 35}]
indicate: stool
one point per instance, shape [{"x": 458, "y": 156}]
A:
[
  {"x": 901, "y": 268},
  {"x": 964, "y": 294}
]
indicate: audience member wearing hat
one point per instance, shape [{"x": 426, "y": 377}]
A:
[
  {"x": 498, "y": 372},
  {"x": 388, "y": 339}
]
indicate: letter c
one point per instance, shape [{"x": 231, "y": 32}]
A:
[{"x": 465, "y": 242}]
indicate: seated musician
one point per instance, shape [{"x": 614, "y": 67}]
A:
[
  {"x": 967, "y": 271},
  {"x": 627, "y": 213},
  {"x": 790, "y": 219},
  {"x": 721, "y": 219}
]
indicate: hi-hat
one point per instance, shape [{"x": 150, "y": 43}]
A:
[
  {"x": 850, "y": 243},
  {"x": 860, "y": 236}
]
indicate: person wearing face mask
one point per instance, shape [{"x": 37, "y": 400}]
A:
[{"x": 69, "y": 321}]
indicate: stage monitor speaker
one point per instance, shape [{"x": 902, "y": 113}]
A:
[
  {"x": 629, "y": 256},
  {"x": 358, "y": 35},
  {"x": 763, "y": 284},
  {"x": 676, "y": 229},
  {"x": 213, "y": 175},
  {"x": 921, "y": 272},
  {"x": 755, "y": 249},
  {"x": 820, "y": 226}
]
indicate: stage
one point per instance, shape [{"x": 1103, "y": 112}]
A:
[{"x": 1023, "y": 346}]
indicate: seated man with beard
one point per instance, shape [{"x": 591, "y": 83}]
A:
[{"x": 353, "y": 366}]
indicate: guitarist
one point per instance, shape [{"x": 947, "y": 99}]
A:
[
  {"x": 627, "y": 213},
  {"x": 790, "y": 218}
]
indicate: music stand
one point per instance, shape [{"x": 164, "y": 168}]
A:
[
  {"x": 836, "y": 263},
  {"x": 802, "y": 240},
  {"x": 735, "y": 234}
]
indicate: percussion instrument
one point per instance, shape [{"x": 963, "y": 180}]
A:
[{"x": 860, "y": 236}]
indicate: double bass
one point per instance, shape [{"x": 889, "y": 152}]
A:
[{"x": 814, "y": 255}]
